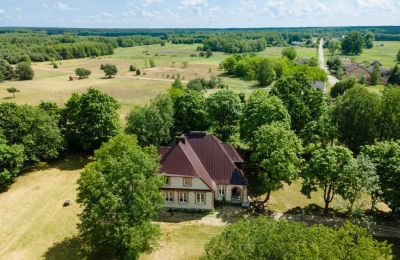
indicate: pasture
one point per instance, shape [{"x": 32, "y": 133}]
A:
[{"x": 386, "y": 54}]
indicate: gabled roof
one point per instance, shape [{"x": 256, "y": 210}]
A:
[
  {"x": 354, "y": 66},
  {"x": 205, "y": 156}
]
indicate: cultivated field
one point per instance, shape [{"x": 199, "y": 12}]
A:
[{"x": 386, "y": 54}]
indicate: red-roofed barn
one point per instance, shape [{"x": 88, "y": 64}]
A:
[{"x": 200, "y": 168}]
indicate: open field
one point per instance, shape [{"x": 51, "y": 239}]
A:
[
  {"x": 385, "y": 54},
  {"x": 301, "y": 52}
]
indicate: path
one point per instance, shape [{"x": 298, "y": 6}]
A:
[
  {"x": 332, "y": 79},
  {"x": 117, "y": 76}
]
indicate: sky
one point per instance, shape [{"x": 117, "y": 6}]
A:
[{"x": 198, "y": 13}]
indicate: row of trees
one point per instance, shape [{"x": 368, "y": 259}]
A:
[
  {"x": 352, "y": 44},
  {"x": 23, "y": 71}
]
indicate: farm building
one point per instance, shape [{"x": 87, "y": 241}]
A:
[
  {"x": 200, "y": 169},
  {"x": 357, "y": 70}
]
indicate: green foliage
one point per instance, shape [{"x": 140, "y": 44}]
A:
[
  {"x": 265, "y": 73},
  {"x": 33, "y": 128},
  {"x": 12, "y": 158},
  {"x": 289, "y": 53},
  {"x": 190, "y": 112},
  {"x": 394, "y": 76},
  {"x": 261, "y": 109},
  {"x": 132, "y": 68},
  {"x": 369, "y": 40},
  {"x": 24, "y": 71},
  {"x": 200, "y": 84},
  {"x": 6, "y": 71},
  {"x": 224, "y": 110},
  {"x": 12, "y": 90},
  {"x": 152, "y": 124},
  {"x": 82, "y": 73},
  {"x": 138, "y": 72},
  {"x": 375, "y": 75},
  {"x": 326, "y": 170},
  {"x": 152, "y": 63},
  {"x": 339, "y": 88},
  {"x": 303, "y": 102},
  {"x": 52, "y": 109},
  {"x": 386, "y": 157},
  {"x": 389, "y": 123},
  {"x": 119, "y": 194},
  {"x": 356, "y": 115},
  {"x": 398, "y": 56},
  {"x": 334, "y": 64},
  {"x": 110, "y": 70},
  {"x": 276, "y": 151},
  {"x": 333, "y": 47},
  {"x": 359, "y": 177},
  {"x": 263, "y": 238},
  {"x": 352, "y": 44},
  {"x": 89, "y": 119}
]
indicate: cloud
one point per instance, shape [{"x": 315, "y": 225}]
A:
[
  {"x": 196, "y": 3},
  {"x": 106, "y": 15},
  {"x": 150, "y": 2},
  {"x": 149, "y": 14},
  {"x": 62, "y": 7}
]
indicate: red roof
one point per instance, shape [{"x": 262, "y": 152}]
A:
[{"x": 204, "y": 156}]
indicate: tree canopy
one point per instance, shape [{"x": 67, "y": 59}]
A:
[
  {"x": 119, "y": 193},
  {"x": 352, "y": 44},
  {"x": 12, "y": 158}
]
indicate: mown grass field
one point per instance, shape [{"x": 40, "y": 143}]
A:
[{"x": 386, "y": 54}]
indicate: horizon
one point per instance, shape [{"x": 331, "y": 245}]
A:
[{"x": 199, "y": 14}]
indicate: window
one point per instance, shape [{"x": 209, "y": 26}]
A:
[
  {"x": 169, "y": 196},
  {"x": 221, "y": 190},
  {"x": 200, "y": 198},
  {"x": 183, "y": 197},
  {"x": 187, "y": 182},
  {"x": 167, "y": 181}
]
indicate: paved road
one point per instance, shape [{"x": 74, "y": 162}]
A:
[{"x": 332, "y": 79}]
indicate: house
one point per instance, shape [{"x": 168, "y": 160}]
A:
[
  {"x": 201, "y": 169},
  {"x": 319, "y": 84},
  {"x": 357, "y": 70}
]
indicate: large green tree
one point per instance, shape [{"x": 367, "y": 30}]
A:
[
  {"x": 110, "y": 70},
  {"x": 224, "y": 110},
  {"x": 389, "y": 120},
  {"x": 190, "y": 112},
  {"x": 394, "y": 75},
  {"x": 33, "y": 128},
  {"x": 89, "y": 119},
  {"x": 12, "y": 158},
  {"x": 289, "y": 53},
  {"x": 356, "y": 114},
  {"x": 265, "y": 72},
  {"x": 386, "y": 157},
  {"x": 153, "y": 123},
  {"x": 340, "y": 87},
  {"x": 352, "y": 44},
  {"x": 303, "y": 102},
  {"x": 260, "y": 109},
  {"x": 24, "y": 71},
  {"x": 325, "y": 170},
  {"x": 263, "y": 238},
  {"x": 276, "y": 152},
  {"x": 119, "y": 194}
]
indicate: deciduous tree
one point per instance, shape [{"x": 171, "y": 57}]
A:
[
  {"x": 289, "y": 53},
  {"x": 12, "y": 158},
  {"x": 352, "y": 44},
  {"x": 24, "y": 71}
]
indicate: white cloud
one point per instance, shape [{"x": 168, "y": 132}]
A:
[
  {"x": 106, "y": 15},
  {"x": 62, "y": 7},
  {"x": 194, "y": 3},
  {"x": 150, "y": 2},
  {"x": 149, "y": 14}
]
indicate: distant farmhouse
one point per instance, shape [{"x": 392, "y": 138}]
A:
[
  {"x": 201, "y": 169},
  {"x": 357, "y": 70}
]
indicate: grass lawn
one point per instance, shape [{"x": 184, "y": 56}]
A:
[
  {"x": 277, "y": 52},
  {"x": 385, "y": 54}
]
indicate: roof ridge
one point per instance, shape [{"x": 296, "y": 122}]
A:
[{"x": 219, "y": 142}]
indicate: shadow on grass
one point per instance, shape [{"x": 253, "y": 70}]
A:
[
  {"x": 67, "y": 249},
  {"x": 313, "y": 209},
  {"x": 177, "y": 216},
  {"x": 231, "y": 213}
]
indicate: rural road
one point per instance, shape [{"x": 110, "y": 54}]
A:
[
  {"x": 332, "y": 79},
  {"x": 117, "y": 76}
]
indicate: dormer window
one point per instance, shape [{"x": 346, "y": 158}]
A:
[{"x": 187, "y": 182}]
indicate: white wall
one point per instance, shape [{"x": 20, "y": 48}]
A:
[
  {"x": 176, "y": 182},
  {"x": 228, "y": 192},
  {"x": 209, "y": 205}
]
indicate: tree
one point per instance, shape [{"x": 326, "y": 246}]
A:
[
  {"x": 289, "y": 53},
  {"x": 352, "y": 44},
  {"x": 325, "y": 170},
  {"x": 389, "y": 120},
  {"x": 356, "y": 115},
  {"x": 132, "y": 68},
  {"x": 24, "y": 71},
  {"x": 195, "y": 84},
  {"x": 266, "y": 73},
  {"x": 375, "y": 75},
  {"x": 6, "y": 70},
  {"x": 138, "y": 72},
  {"x": 229, "y": 65},
  {"x": 89, "y": 119},
  {"x": 152, "y": 124},
  {"x": 209, "y": 53},
  {"x": 263, "y": 238},
  {"x": 152, "y": 63},
  {"x": 82, "y": 73},
  {"x": 303, "y": 102},
  {"x": 109, "y": 70},
  {"x": 276, "y": 151},
  {"x": 386, "y": 157},
  {"x": 12, "y": 158},
  {"x": 190, "y": 112},
  {"x": 33, "y": 128},
  {"x": 398, "y": 56},
  {"x": 369, "y": 40},
  {"x": 340, "y": 87},
  {"x": 224, "y": 110},
  {"x": 119, "y": 194},
  {"x": 12, "y": 90},
  {"x": 359, "y": 177},
  {"x": 261, "y": 109},
  {"x": 394, "y": 76},
  {"x": 334, "y": 64},
  {"x": 333, "y": 47}
]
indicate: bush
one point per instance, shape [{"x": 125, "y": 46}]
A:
[
  {"x": 24, "y": 71},
  {"x": 289, "y": 53},
  {"x": 82, "y": 73},
  {"x": 109, "y": 70},
  {"x": 132, "y": 68},
  {"x": 138, "y": 72}
]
